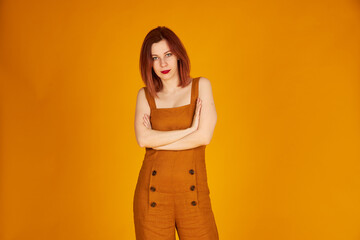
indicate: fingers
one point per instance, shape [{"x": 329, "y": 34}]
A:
[
  {"x": 146, "y": 121},
  {"x": 145, "y": 124},
  {"x": 198, "y": 105}
]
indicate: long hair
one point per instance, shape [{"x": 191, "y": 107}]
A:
[{"x": 149, "y": 77}]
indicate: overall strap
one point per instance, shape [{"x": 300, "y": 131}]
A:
[
  {"x": 195, "y": 89},
  {"x": 150, "y": 99}
]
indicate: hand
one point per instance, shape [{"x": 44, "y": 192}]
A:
[
  {"x": 196, "y": 118},
  {"x": 147, "y": 123}
]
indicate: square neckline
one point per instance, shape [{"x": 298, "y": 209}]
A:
[{"x": 187, "y": 105}]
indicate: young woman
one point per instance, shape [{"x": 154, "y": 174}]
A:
[{"x": 172, "y": 190}]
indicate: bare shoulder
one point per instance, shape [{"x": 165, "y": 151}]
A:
[
  {"x": 204, "y": 87},
  {"x": 141, "y": 91},
  {"x": 141, "y": 99},
  {"x": 203, "y": 80},
  {"x": 141, "y": 94}
]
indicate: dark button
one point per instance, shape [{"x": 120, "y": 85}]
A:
[
  {"x": 152, "y": 188},
  {"x": 193, "y": 203},
  {"x": 154, "y": 172},
  {"x": 191, "y": 171},
  {"x": 192, "y": 188},
  {"x": 153, "y": 204}
]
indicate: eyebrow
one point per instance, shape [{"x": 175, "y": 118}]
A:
[{"x": 164, "y": 53}]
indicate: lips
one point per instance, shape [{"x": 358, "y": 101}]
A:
[{"x": 165, "y": 72}]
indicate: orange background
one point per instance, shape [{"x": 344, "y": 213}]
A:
[{"x": 283, "y": 163}]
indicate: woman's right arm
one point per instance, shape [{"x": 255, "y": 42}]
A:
[{"x": 150, "y": 138}]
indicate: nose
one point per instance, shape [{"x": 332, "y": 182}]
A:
[{"x": 163, "y": 63}]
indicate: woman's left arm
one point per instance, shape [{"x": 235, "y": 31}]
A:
[{"x": 207, "y": 122}]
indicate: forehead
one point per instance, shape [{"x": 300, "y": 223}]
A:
[{"x": 160, "y": 47}]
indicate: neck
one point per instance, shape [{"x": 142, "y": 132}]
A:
[{"x": 170, "y": 85}]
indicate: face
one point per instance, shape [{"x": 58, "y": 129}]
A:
[{"x": 163, "y": 59}]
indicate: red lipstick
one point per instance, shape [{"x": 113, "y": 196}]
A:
[{"x": 165, "y": 72}]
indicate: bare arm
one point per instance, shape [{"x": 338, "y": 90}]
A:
[
  {"x": 207, "y": 122},
  {"x": 192, "y": 140},
  {"x": 153, "y": 138}
]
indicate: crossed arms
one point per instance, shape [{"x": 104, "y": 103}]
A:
[{"x": 200, "y": 133}]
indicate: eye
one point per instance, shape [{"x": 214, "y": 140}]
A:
[
  {"x": 154, "y": 58},
  {"x": 169, "y": 54}
]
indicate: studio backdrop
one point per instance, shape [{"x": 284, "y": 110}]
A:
[{"x": 283, "y": 163}]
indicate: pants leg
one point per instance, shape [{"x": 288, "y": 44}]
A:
[
  {"x": 154, "y": 223},
  {"x": 195, "y": 222}
]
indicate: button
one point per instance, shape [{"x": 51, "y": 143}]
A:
[
  {"x": 152, "y": 188},
  {"x": 192, "y": 188},
  {"x": 193, "y": 203},
  {"x": 153, "y": 204},
  {"x": 154, "y": 172},
  {"x": 191, "y": 171}
]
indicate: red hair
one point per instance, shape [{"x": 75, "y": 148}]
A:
[{"x": 149, "y": 77}]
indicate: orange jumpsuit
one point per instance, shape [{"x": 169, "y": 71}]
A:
[{"x": 172, "y": 189}]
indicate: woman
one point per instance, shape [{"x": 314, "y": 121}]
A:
[{"x": 172, "y": 190}]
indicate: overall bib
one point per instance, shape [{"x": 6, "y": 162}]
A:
[{"x": 172, "y": 189}]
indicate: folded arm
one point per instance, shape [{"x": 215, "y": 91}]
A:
[
  {"x": 153, "y": 138},
  {"x": 192, "y": 140},
  {"x": 208, "y": 119}
]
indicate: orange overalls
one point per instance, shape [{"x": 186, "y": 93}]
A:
[{"x": 172, "y": 190}]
